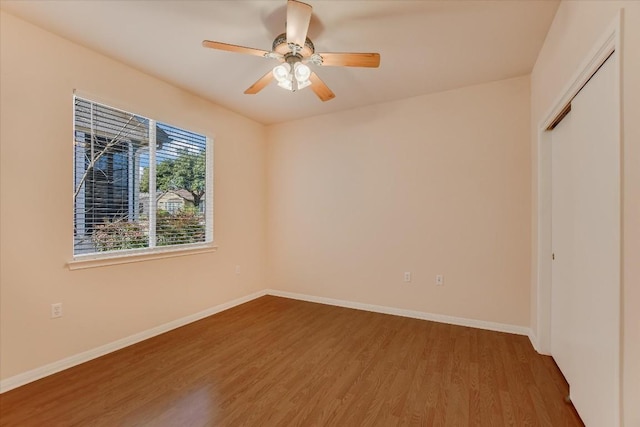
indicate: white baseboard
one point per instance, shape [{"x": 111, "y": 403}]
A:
[
  {"x": 60, "y": 365},
  {"x": 441, "y": 318},
  {"x": 534, "y": 340}
]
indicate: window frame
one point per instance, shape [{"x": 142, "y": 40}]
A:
[{"x": 124, "y": 256}]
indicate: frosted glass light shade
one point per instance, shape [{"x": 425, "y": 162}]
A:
[
  {"x": 286, "y": 84},
  {"x": 303, "y": 84},
  {"x": 301, "y": 72},
  {"x": 281, "y": 72}
]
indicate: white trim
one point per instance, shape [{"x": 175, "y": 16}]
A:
[
  {"x": 441, "y": 318},
  {"x": 588, "y": 68},
  {"x": 138, "y": 255},
  {"x": 534, "y": 340},
  {"x": 68, "y": 362},
  {"x": 208, "y": 200},
  {"x": 153, "y": 202},
  {"x": 544, "y": 249},
  {"x": 609, "y": 42}
]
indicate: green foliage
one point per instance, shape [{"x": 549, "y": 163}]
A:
[
  {"x": 117, "y": 235},
  {"x": 185, "y": 226},
  {"x": 185, "y": 172},
  {"x": 144, "y": 181}
]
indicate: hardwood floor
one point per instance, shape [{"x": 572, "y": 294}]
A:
[{"x": 275, "y": 361}]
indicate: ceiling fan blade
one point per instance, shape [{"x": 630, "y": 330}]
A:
[
  {"x": 260, "y": 84},
  {"x": 298, "y": 18},
  {"x": 351, "y": 59},
  {"x": 320, "y": 88},
  {"x": 234, "y": 48}
]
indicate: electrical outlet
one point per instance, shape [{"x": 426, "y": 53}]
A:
[
  {"x": 237, "y": 269},
  {"x": 407, "y": 276},
  {"x": 56, "y": 310},
  {"x": 439, "y": 280}
]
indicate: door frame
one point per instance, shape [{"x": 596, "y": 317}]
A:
[{"x": 609, "y": 42}]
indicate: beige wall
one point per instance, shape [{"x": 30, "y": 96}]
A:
[
  {"x": 38, "y": 74},
  {"x": 576, "y": 28},
  {"x": 436, "y": 184}
]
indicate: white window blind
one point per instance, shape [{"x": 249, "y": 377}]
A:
[{"x": 139, "y": 185}]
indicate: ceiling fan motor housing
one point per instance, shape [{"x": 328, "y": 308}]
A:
[{"x": 280, "y": 45}]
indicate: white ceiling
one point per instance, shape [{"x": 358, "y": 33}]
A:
[{"x": 425, "y": 46}]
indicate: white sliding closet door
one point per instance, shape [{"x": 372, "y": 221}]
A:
[
  {"x": 563, "y": 211},
  {"x": 585, "y": 337}
]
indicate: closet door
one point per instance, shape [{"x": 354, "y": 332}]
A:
[
  {"x": 562, "y": 240},
  {"x": 585, "y": 339}
]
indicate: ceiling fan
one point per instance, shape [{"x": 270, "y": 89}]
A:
[{"x": 294, "y": 50}]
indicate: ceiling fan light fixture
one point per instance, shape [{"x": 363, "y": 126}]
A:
[
  {"x": 282, "y": 73},
  {"x": 301, "y": 72},
  {"x": 303, "y": 84},
  {"x": 295, "y": 50},
  {"x": 286, "y": 84}
]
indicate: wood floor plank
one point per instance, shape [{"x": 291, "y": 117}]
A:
[{"x": 280, "y": 362}]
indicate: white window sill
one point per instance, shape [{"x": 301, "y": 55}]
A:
[{"x": 93, "y": 261}]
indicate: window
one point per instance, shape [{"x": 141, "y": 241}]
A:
[
  {"x": 139, "y": 185},
  {"x": 174, "y": 205}
]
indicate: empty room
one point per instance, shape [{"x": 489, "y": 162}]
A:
[{"x": 319, "y": 212}]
